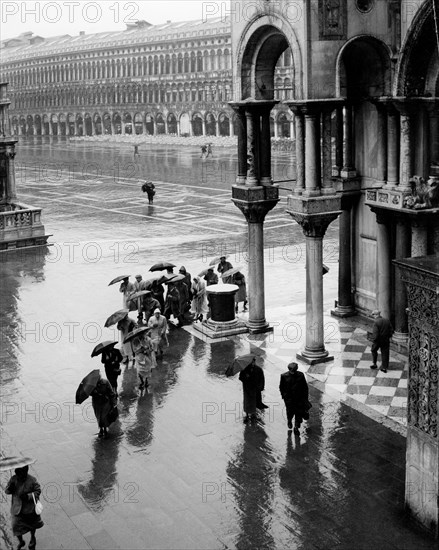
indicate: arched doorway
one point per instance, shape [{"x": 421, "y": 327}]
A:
[
  {"x": 172, "y": 124},
  {"x": 138, "y": 124},
  {"x": 160, "y": 123},
  {"x": 98, "y": 124},
  {"x": 224, "y": 124},
  {"x": 185, "y": 124},
  {"x": 62, "y": 125},
  {"x": 149, "y": 123},
  {"x": 210, "y": 125},
  {"x": 88, "y": 128},
  {"x": 197, "y": 125},
  {"x": 38, "y": 125},
  {"x": 30, "y": 125},
  {"x": 79, "y": 125},
  {"x": 117, "y": 123},
  {"x": 107, "y": 124},
  {"x": 54, "y": 124},
  {"x": 127, "y": 124}
]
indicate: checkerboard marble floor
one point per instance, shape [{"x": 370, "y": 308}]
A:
[{"x": 382, "y": 396}]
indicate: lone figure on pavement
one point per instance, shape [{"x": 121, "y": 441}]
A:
[
  {"x": 382, "y": 332},
  {"x": 294, "y": 391}
]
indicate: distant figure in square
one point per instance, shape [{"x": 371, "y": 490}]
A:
[
  {"x": 209, "y": 150},
  {"x": 203, "y": 151},
  {"x": 149, "y": 188},
  {"x": 136, "y": 151},
  {"x": 382, "y": 332}
]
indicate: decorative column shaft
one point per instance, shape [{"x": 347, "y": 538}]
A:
[
  {"x": 265, "y": 149},
  {"x": 349, "y": 165},
  {"x": 300, "y": 151},
  {"x": 327, "y": 187},
  {"x": 383, "y": 268},
  {"x": 312, "y": 153},
  {"x": 241, "y": 127},
  {"x": 336, "y": 169},
  {"x": 405, "y": 108},
  {"x": 252, "y": 143},
  {"x": 434, "y": 137},
  {"x": 381, "y": 174},
  {"x": 392, "y": 147},
  {"x": 345, "y": 306},
  {"x": 11, "y": 191},
  {"x": 402, "y": 250}
]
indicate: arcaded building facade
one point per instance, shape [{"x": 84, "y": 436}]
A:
[{"x": 174, "y": 78}]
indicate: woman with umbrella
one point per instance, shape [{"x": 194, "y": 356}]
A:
[
  {"x": 111, "y": 359},
  {"x": 104, "y": 401},
  {"x": 25, "y": 491},
  {"x": 126, "y": 325},
  {"x": 199, "y": 300}
]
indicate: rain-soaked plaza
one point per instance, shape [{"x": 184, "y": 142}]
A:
[{"x": 180, "y": 469}]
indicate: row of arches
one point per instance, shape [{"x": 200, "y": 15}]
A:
[{"x": 149, "y": 123}]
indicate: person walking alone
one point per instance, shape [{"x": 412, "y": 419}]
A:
[
  {"x": 382, "y": 332},
  {"x": 294, "y": 391}
]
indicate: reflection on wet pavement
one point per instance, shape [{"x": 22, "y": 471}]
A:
[{"x": 180, "y": 469}]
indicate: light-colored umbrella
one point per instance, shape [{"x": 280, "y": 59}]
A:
[
  {"x": 12, "y": 462},
  {"x": 218, "y": 258},
  {"x": 116, "y": 317},
  {"x": 118, "y": 279},
  {"x": 230, "y": 272},
  {"x": 203, "y": 273},
  {"x": 139, "y": 294},
  {"x": 99, "y": 348}
]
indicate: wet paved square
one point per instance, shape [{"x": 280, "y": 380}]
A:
[{"x": 180, "y": 469}]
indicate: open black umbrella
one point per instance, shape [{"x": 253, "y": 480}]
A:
[
  {"x": 175, "y": 279},
  {"x": 116, "y": 317},
  {"x": 135, "y": 333},
  {"x": 99, "y": 348},
  {"x": 241, "y": 363},
  {"x": 12, "y": 462},
  {"x": 87, "y": 385},
  {"x": 161, "y": 266},
  {"x": 118, "y": 279}
]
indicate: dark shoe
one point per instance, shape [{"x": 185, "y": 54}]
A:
[
  {"x": 200, "y": 317},
  {"x": 290, "y": 425},
  {"x": 382, "y": 369},
  {"x": 373, "y": 366}
]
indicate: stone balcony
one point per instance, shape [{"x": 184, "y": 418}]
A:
[{"x": 21, "y": 226}]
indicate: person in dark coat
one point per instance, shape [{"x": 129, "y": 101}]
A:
[
  {"x": 157, "y": 292},
  {"x": 24, "y": 488},
  {"x": 240, "y": 296},
  {"x": 253, "y": 384},
  {"x": 224, "y": 266},
  {"x": 211, "y": 277},
  {"x": 294, "y": 391},
  {"x": 187, "y": 281},
  {"x": 172, "y": 304},
  {"x": 111, "y": 359},
  {"x": 103, "y": 400},
  {"x": 382, "y": 332}
]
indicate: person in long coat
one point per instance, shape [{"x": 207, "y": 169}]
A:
[
  {"x": 172, "y": 304},
  {"x": 211, "y": 277},
  {"x": 111, "y": 359},
  {"x": 24, "y": 488},
  {"x": 145, "y": 356},
  {"x": 127, "y": 289},
  {"x": 158, "y": 292},
  {"x": 158, "y": 325},
  {"x": 293, "y": 388},
  {"x": 223, "y": 266},
  {"x": 126, "y": 325},
  {"x": 103, "y": 399},
  {"x": 199, "y": 300},
  {"x": 240, "y": 296},
  {"x": 253, "y": 384},
  {"x": 149, "y": 305}
]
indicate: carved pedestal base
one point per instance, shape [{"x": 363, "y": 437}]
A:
[
  {"x": 343, "y": 311},
  {"x": 218, "y": 329},
  {"x": 314, "y": 357}
]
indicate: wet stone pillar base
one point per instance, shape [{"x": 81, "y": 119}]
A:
[
  {"x": 255, "y": 202},
  {"x": 222, "y": 322},
  {"x": 421, "y": 277}
]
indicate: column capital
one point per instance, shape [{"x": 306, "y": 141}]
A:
[
  {"x": 315, "y": 106},
  {"x": 253, "y": 105},
  {"x": 255, "y": 202},
  {"x": 314, "y": 225}
]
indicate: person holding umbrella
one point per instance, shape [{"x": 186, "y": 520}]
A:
[
  {"x": 253, "y": 384},
  {"x": 241, "y": 296},
  {"x": 223, "y": 266},
  {"x": 111, "y": 359},
  {"x": 199, "y": 300},
  {"x": 127, "y": 289},
  {"x": 158, "y": 326},
  {"x": 126, "y": 325},
  {"x": 211, "y": 277},
  {"x": 25, "y": 491},
  {"x": 104, "y": 401}
]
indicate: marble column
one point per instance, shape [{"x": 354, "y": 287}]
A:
[
  {"x": 383, "y": 267},
  {"x": 10, "y": 191},
  {"x": 241, "y": 124},
  {"x": 327, "y": 185},
  {"x": 265, "y": 148},
  {"x": 203, "y": 127},
  {"x": 434, "y": 136},
  {"x": 348, "y": 170},
  {"x": 300, "y": 150},
  {"x": 314, "y": 228},
  {"x": 345, "y": 306},
  {"x": 338, "y": 165},
  {"x": 255, "y": 214},
  {"x": 392, "y": 147},
  {"x": 231, "y": 126},
  {"x": 405, "y": 145},
  {"x": 312, "y": 152},
  {"x": 252, "y": 145},
  {"x": 144, "y": 128},
  {"x": 402, "y": 250},
  {"x": 381, "y": 173}
]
